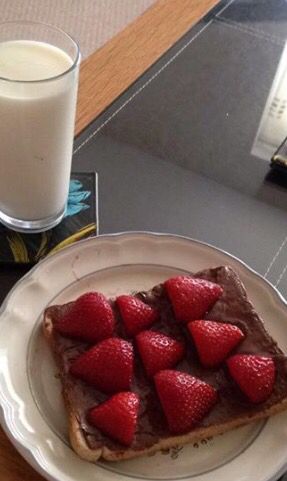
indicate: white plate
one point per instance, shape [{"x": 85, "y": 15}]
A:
[{"x": 33, "y": 414}]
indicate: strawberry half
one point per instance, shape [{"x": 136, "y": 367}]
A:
[
  {"x": 108, "y": 366},
  {"x": 136, "y": 314},
  {"x": 158, "y": 351},
  {"x": 214, "y": 340},
  {"x": 254, "y": 374},
  {"x": 185, "y": 399},
  {"x": 117, "y": 417},
  {"x": 191, "y": 298},
  {"x": 90, "y": 319}
]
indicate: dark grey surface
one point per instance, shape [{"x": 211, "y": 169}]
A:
[
  {"x": 146, "y": 192},
  {"x": 203, "y": 112},
  {"x": 267, "y": 18}
]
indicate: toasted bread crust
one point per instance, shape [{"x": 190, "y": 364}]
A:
[{"x": 81, "y": 447}]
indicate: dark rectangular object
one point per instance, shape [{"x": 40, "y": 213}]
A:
[{"x": 279, "y": 159}]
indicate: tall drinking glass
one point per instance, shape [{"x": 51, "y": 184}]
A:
[{"x": 39, "y": 66}]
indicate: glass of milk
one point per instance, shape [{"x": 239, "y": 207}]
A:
[{"x": 39, "y": 66}]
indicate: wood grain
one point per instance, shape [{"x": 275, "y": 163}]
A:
[
  {"x": 109, "y": 71},
  {"x": 12, "y": 466},
  {"x": 104, "y": 76}
]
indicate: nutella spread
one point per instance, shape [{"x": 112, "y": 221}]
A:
[{"x": 232, "y": 307}]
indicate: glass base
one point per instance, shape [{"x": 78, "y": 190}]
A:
[{"x": 31, "y": 226}]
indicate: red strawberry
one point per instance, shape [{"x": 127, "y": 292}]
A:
[
  {"x": 158, "y": 351},
  {"x": 214, "y": 340},
  {"x": 136, "y": 314},
  {"x": 254, "y": 374},
  {"x": 191, "y": 298},
  {"x": 108, "y": 366},
  {"x": 117, "y": 417},
  {"x": 90, "y": 319},
  {"x": 185, "y": 399}
]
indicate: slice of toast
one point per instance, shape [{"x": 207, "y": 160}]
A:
[{"x": 152, "y": 435}]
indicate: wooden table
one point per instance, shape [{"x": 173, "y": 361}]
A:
[{"x": 104, "y": 76}]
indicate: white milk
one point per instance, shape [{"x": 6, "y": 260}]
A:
[{"x": 36, "y": 129}]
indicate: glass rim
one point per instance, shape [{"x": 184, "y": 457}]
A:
[{"x": 53, "y": 27}]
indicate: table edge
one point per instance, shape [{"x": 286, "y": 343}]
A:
[{"x": 110, "y": 70}]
